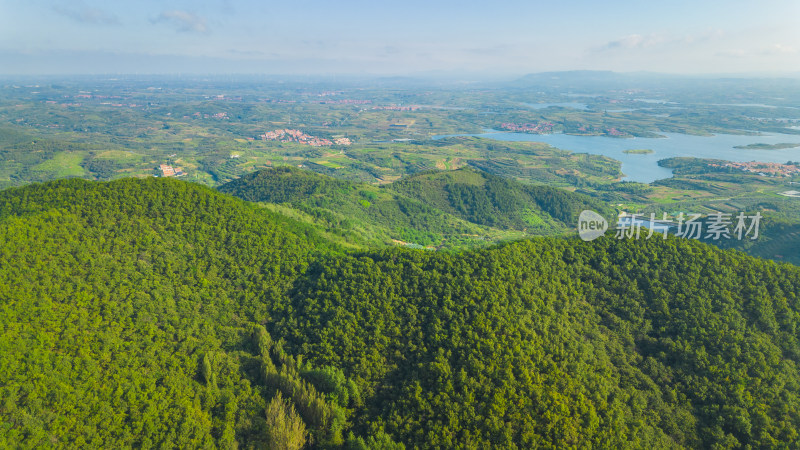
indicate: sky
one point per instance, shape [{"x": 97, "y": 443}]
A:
[{"x": 319, "y": 37}]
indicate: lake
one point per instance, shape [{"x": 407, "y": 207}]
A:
[{"x": 645, "y": 168}]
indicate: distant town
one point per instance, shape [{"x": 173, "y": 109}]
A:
[
  {"x": 535, "y": 128},
  {"x": 545, "y": 127},
  {"x": 765, "y": 169},
  {"x": 397, "y": 108},
  {"x": 288, "y": 135}
]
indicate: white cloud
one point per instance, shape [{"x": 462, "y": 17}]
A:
[
  {"x": 183, "y": 21},
  {"x": 634, "y": 41}
]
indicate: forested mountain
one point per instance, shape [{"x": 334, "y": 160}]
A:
[
  {"x": 778, "y": 239},
  {"x": 486, "y": 199},
  {"x": 455, "y": 208},
  {"x": 128, "y": 311},
  {"x": 159, "y": 313},
  {"x": 355, "y": 212},
  {"x": 642, "y": 344},
  {"x": 287, "y": 184}
]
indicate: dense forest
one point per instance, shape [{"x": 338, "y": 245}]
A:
[
  {"x": 159, "y": 313},
  {"x": 443, "y": 208},
  {"x": 487, "y": 199},
  {"x": 357, "y": 213}
]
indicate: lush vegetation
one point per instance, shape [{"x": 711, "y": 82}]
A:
[
  {"x": 464, "y": 207},
  {"x": 213, "y": 131},
  {"x": 613, "y": 344},
  {"x": 638, "y": 151},
  {"x": 486, "y": 199},
  {"x": 159, "y": 313},
  {"x": 357, "y": 213},
  {"x": 124, "y": 311}
]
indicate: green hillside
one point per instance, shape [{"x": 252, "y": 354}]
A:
[
  {"x": 127, "y": 312},
  {"x": 287, "y": 184},
  {"x": 779, "y": 240},
  {"x": 360, "y": 213},
  {"x": 554, "y": 343},
  {"x": 457, "y": 208},
  {"x": 486, "y": 199},
  {"x": 159, "y": 313}
]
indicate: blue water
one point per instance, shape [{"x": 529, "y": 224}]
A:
[{"x": 645, "y": 168}]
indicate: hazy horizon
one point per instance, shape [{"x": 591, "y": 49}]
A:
[
  {"x": 364, "y": 38},
  {"x": 423, "y": 77}
]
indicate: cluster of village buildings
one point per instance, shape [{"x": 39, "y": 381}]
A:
[
  {"x": 397, "y": 108},
  {"x": 199, "y": 115},
  {"x": 547, "y": 128},
  {"x": 765, "y": 169},
  {"x": 536, "y": 127},
  {"x": 169, "y": 171},
  {"x": 288, "y": 135},
  {"x": 346, "y": 102},
  {"x": 614, "y": 132}
]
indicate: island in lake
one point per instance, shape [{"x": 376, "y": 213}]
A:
[
  {"x": 762, "y": 146},
  {"x": 638, "y": 151}
]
